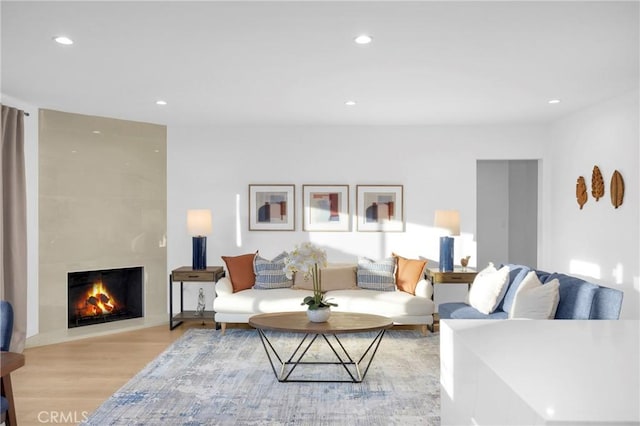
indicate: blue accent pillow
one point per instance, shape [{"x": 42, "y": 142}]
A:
[
  {"x": 517, "y": 273},
  {"x": 270, "y": 273},
  {"x": 378, "y": 275}
]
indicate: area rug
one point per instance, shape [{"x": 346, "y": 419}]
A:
[{"x": 206, "y": 378}]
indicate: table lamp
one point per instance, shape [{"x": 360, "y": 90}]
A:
[
  {"x": 448, "y": 220},
  {"x": 199, "y": 225}
]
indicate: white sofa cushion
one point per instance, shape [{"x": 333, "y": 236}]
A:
[
  {"x": 402, "y": 307},
  {"x": 224, "y": 287},
  {"x": 386, "y": 303},
  {"x": 261, "y": 301},
  {"x": 534, "y": 300},
  {"x": 424, "y": 288},
  {"x": 488, "y": 288}
]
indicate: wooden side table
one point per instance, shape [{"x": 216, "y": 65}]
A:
[
  {"x": 186, "y": 273},
  {"x": 455, "y": 277}
]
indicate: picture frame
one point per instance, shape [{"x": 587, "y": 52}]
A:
[
  {"x": 325, "y": 208},
  {"x": 272, "y": 207},
  {"x": 380, "y": 208}
]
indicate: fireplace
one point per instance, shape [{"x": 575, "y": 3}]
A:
[{"x": 96, "y": 297}]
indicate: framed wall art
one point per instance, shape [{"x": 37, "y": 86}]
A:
[
  {"x": 271, "y": 207},
  {"x": 380, "y": 208},
  {"x": 325, "y": 207}
]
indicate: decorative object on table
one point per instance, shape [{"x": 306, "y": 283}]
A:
[
  {"x": 597, "y": 184},
  {"x": 325, "y": 207},
  {"x": 465, "y": 262},
  {"x": 380, "y": 208},
  {"x": 306, "y": 258},
  {"x": 200, "y": 307},
  {"x": 617, "y": 189},
  {"x": 319, "y": 315},
  {"x": 449, "y": 221},
  {"x": 581, "y": 191},
  {"x": 199, "y": 226},
  {"x": 272, "y": 207}
]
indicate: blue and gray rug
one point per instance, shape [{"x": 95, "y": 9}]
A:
[{"x": 205, "y": 378}]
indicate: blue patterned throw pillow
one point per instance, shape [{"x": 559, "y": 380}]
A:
[
  {"x": 270, "y": 273},
  {"x": 378, "y": 275}
]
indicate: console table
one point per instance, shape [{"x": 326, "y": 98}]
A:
[
  {"x": 186, "y": 273},
  {"x": 454, "y": 277}
]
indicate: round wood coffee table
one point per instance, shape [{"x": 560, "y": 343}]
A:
[{"x": 338, "y": 323}]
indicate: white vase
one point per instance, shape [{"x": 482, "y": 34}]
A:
[{"x": 319, "y": 315}]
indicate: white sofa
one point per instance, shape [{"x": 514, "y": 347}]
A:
[{"x": 403, "y": 308}]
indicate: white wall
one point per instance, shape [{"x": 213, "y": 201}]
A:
[
  {"x": 209, "y": 167},
  {"x": 598, "y": 242},
  {"x": 31, "y": 172}
]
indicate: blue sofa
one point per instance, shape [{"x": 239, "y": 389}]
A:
[{"x": 579, "y": 299}]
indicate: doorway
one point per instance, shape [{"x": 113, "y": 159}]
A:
[{"x": 507, "y": 212}]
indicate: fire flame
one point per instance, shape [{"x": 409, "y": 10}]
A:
[{"x": 96, "y": 301}]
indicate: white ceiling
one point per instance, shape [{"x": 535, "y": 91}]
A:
[{"x": 295, "y": 63}]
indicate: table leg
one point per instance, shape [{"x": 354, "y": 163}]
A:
[
  {"x": 7, "y": 392},
  {"x": 351, "y": 367}
]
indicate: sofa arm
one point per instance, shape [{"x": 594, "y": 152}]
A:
[
  {"x": 223, "y": 286},
  {"x": 424, "y": 288}
]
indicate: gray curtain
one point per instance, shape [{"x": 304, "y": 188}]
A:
[{"x": 13, "y": 222}]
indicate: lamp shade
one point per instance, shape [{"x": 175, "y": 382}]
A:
[
  {"x": 448, "y": 220},
  {"x": 199, "y": 222}
]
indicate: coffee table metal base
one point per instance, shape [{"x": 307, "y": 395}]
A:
[{"x": 353, "y": 368}]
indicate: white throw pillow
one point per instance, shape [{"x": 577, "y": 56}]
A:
[
  {"x": 488, "y": 288},
  {"x": 535, "y": 300}
]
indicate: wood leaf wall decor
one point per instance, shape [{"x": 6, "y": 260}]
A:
[
  {"x": 597, "y": 183},
  {"x": 581, "y": 191},
  {"x": 617, "y": 189}
]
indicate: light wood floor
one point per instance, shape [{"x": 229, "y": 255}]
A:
[{"x": 61, "y": 383}]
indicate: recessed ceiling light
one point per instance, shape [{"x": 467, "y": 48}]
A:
[
  {"x": 363, "y": 39},
  {"x": 161, "y": 102},
  {"x": 554, "y": 101},
  {"x": 96, "y": 132},
  {"x": 350, "y": 103},
  {"x": 63, "y": 40}
]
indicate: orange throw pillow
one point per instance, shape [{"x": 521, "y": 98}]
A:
[
  {"x": 241, "y": 271},
  {"x": 409, "y": 272}
]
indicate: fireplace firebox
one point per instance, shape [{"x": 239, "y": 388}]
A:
[{"x": 96, "y": 297}]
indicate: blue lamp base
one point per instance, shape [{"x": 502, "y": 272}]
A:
[
  {"x": 199, "y": 253},
  {"x": 446, "y": 254}
]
